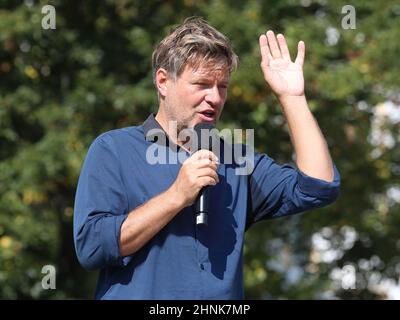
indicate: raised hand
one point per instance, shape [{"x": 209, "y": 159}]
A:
[{"x": 283, "y": 76}]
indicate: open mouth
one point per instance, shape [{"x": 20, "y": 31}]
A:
[{"x": 208, "y": 115}]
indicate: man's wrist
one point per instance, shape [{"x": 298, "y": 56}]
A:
[
  {"x": 293, "y": 102},
  {"x": 287, "y": 101},
  {"x": 174, "y": 198}
]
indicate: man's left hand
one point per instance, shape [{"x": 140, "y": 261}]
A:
[{"x": 283, "y": 76}]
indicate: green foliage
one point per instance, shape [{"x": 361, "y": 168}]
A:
[{"x": 60, "y": 88}]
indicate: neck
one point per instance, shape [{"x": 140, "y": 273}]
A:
[
  {"x": 167, "y": 125},
  {"x": 162, "y": 120}
]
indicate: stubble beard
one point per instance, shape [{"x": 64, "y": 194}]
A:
[{"x": 181, "y": 124}]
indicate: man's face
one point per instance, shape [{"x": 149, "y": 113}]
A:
[{"x": 197, "y": 95}]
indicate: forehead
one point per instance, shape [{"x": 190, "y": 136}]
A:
[{"x": 208, "y": 71}]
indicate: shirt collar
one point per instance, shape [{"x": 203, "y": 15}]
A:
[{"x": 152, "y": 124}]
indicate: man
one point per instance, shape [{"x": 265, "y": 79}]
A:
[{"x": 134, "y": 220}]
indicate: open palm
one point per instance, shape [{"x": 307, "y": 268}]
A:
[{"x": 283, "y": 76}]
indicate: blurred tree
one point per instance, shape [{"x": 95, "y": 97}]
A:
[{"x": 60, "y": 88}]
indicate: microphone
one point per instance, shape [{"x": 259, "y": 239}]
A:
[{"x": 204, "y": 141}]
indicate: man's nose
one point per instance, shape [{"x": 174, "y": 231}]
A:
[{"x": 213, "y": 96}]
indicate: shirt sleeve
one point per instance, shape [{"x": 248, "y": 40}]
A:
[
  {"x": 276, "y": 191},
  {"x": 101, "y": 206}
]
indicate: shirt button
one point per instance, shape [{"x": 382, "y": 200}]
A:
[{"x": 201, "y": 266}]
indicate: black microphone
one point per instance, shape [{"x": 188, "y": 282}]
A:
[{"x": 204, "y": 141}]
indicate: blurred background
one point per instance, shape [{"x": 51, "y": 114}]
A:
[{"x": 60, "y": 88}]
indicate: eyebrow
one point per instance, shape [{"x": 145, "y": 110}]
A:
[
  {"x": 201, "y": 77},
  {"x": 207, "y": 79}
]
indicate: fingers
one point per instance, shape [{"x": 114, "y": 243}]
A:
[
  {"x": 264, "y": 49},
  {"x": 283, "y": 46},
  {"x": 273, "y": 45},
  {"x": 204, "y": 163},
  {"x": 203, "y": 154},
  {"x": 206, "y": 181},
  {"x": 301, "y": 51},
  {"x": 208, "y": 172}
]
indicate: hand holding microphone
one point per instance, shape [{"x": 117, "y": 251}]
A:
[{"x": 198, "y": 171}]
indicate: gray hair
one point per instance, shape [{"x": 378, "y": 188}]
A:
[{"x": 193, "y": 43}]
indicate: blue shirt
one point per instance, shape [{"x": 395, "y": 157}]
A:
[{"x": 183, "y": 261}]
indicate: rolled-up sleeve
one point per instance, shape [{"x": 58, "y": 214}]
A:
[
  {"x": 100, "y": 207},
  {"x": 276, "y": 191}
]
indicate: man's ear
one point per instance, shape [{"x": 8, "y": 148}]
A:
[{"x": 161, "y": 81}]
